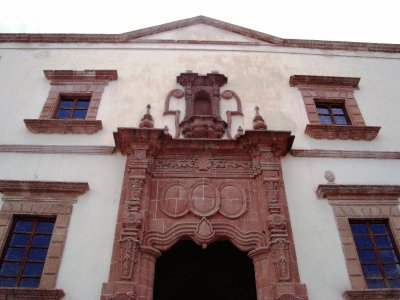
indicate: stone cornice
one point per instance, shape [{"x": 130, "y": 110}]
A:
[
  {"x": 30, "y": 293},
  {"x": 42, "y": 190},
  {"x": 138, "y": 35},
  {"x": 63, "y": 126},
  {"x": 324, "y": 80},
  {"x": 127, "y": 139},
  {"x": 57, "y": 149},
  {"x": 372, "y": 294},
  {"x": 345, "y": 154},
  {"x": 343, "y": 132},
  {"x": 85, "y": 75},
  {"x": 361, "y": 192}
]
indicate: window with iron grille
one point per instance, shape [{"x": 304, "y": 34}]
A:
[
  {"x": 377, "y": 252},
  {"x": 72, "y": 107},
  {"x": 332, "y": 114},
  {"x": 25, "y": 252}
]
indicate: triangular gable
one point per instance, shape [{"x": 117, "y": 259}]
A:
[
  {"x": 199, "y": 32},
  {"x": 200, "y": 28}
]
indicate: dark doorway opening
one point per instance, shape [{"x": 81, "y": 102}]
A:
[{"x": 220, "y": 272}]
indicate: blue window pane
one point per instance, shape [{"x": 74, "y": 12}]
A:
[
  {"x": 15, "y": 253},
  {"x": 367, "y": 255},
  {"x": 392, "y": 270},
  {"x": 383, "y": 241},
  {"x": 341, "y": 120},
  {"x": 388, "y": 255},
  {"x": 325, "y": 119},
  {"x": 32, "y": 269},
  {"x": 394, "y": 283},
  {"x": 359, "y": 228},
  {"x": 66, "y": 103},
  {"x": 19, "y": 240},
  {"x": 323, "y": 111},
  {"x": 337, "y": 111},
  {"x": 24, "y": 226},
  {"x": 9, "y": 268},
  {"x": 363, "y": 241},
  {"x": 7, "y": 281},
  {"x": 79, "y": 114},
  {"x": 44, "y": 227},
  {"x": 379, "y": 228},
  {"x": 37, "y": 254},
  {"x": 41, "y": 240},
  {"x": 62, "y": 114},
  {"x": 29, "y": 282},
  {"x": 83, "y": 104},
  {"x": 375, "y": 284},
  {"x": 371, "y": 271}
]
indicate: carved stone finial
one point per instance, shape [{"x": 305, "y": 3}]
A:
[
  {"x": 166, "y": 130},
  {"x": 258, "y": 121},
  {"x": 330, "y": 176},
  {"x": 240, "y": 132},
  {"x": 147, "y": 120}
]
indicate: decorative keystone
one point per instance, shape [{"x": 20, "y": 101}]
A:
[
  {"x": 147, "y": 120},
  {"x": 258, "y": 121}
]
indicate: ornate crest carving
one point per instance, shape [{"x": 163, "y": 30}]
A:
[
  {"x": 204, "y": 232},
  {"x": 280, "y": 252},
  {"x": 128, "y": 256}
]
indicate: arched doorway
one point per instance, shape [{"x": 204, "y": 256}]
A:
[{"x": 220, "y": 272}]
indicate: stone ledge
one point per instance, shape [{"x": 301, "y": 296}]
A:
[
  {"x": 373, "y": 294},
  {"x": 85, "y": 75},
  {"x": 324, "y": 80},
  {"x": 362, "y": 192},
  {"x": 63, "y": 126},
  {"x": 30, "y": 294},
  {"x": 343, "y": 132}
]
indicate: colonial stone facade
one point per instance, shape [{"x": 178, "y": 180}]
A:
[{"x": 200, "y": 142}]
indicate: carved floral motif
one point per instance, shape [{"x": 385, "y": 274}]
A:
[{"x": 202, "y": 164}]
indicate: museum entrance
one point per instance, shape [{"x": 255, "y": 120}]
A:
[{"x": 219, "y": 272}]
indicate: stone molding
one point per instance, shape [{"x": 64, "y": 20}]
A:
[
  {"x": 342, "y": 132},
  {"x": 58, "y": 149},
  {"x": 63, "y": 126},
  {"x": 373, "y": 294},
  {"x": 82, "y": 76},
  {"x": 30, "y": 294},
  {"x": 361, "y": 192},
  {"x": 135, "y": 36},
  {"x": 333, "y": 90},
  {"x": 88, "y": 84},
  {"x": 297, "y": 80},
  {"x": 344, "y": 154},
  {"x": 361, "y": 202},
  {"x": 40, "y": 198}
]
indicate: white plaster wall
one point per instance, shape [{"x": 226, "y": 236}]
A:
[
  {"x": 147, "y": 75},
  {"x": 259, "y": 75},
  {"x": 86, "y": 260},
  {"x": 318, "y": 246}
]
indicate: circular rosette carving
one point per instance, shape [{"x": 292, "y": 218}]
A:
[
  {"x": 174, "y": 203},
  {"x": 204, "y": 200},
  {"x": 233, "y": 201}
]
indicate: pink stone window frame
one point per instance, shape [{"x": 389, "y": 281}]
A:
[
  {"x": 40, "y": 199},
  {"x": 72, "y": 83},
  {"x": 362, "y": 202},
  {"x": 332, "y": 90}
]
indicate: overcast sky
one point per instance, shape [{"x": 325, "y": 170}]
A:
[{"x": 343, "y": 20}]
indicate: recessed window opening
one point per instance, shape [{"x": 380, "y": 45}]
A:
[
  {"x": 377, "y": 252},
  {"x": 25, "y": 252},
  {"x": 332, "y": 113},
  {"x": 72, "y": 107}
]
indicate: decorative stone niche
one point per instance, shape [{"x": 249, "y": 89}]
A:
[{"x": 202, "y": 95}]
